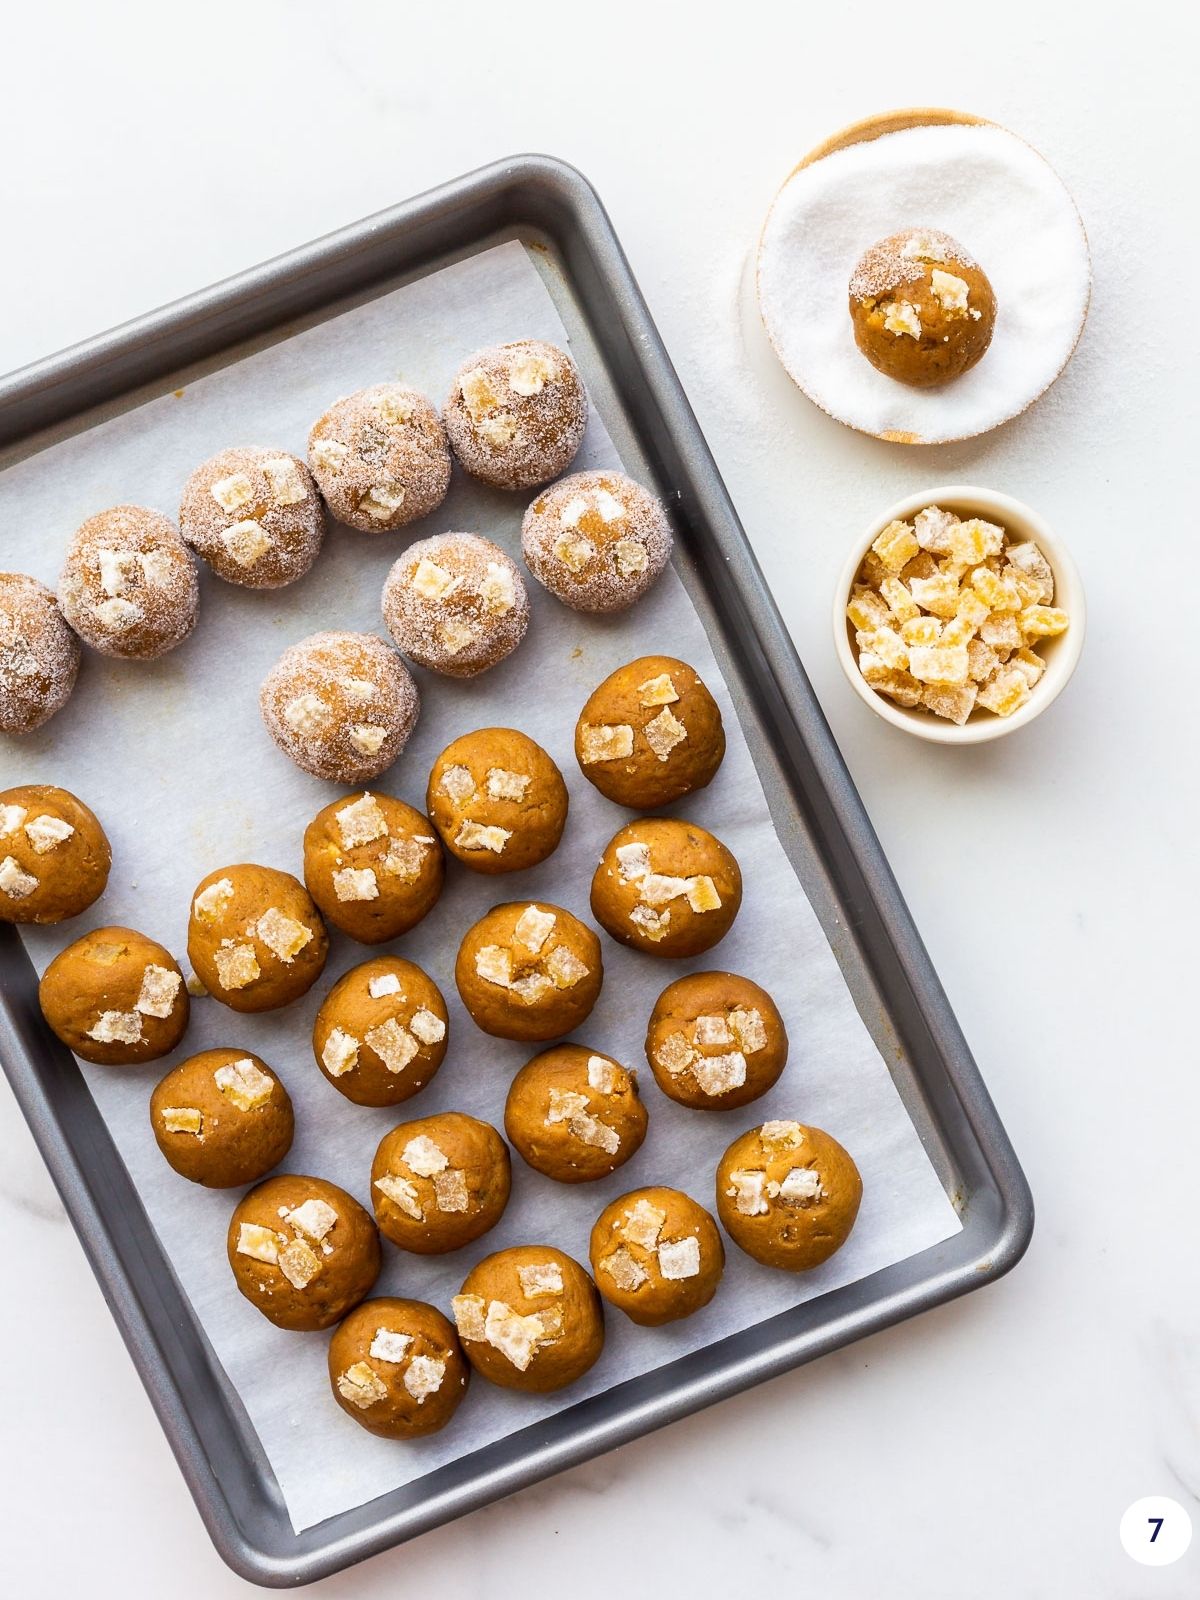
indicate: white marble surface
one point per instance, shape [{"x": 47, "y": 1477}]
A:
[{"x": 988, "y": 1448}]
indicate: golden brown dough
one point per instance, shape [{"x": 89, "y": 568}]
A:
[
  {"x": 574, "y": 1114},
  {"x": 715, "y": 1041},
  {"x": 650, "y": 733},
  {"x": 498, "y": 800},
  {"x": 373, "y": 865},
  {"x": 115, "y": 997},
  {"x": 255, "y": 938},
  {"x": 529, "y": 970},
  {"x": 397, "y": 1368},
  {"x": 788, "y": 1195},
  {"x": 222, "y": 1118},
  {"x": 54, "y": 855},
  {"x": 440, "y": 1182},
  {"x": 656, "y": 1255},
  {"x": 666, "y": 887},
  {"x": 529, "y": 1318},
  {"x": 381, "y": 1032},
  {"x": 923, "y": 310}
]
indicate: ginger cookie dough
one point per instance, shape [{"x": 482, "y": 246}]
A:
[
  {"x": 373, "y": 865},
  {"x": 222, "y": 1118},
  {"x": 574, "y": 1114},
  {"x": 397, "y": 1368},
  {"x": 254, "y": 515},
  {"x": 715, "y": 1041},
  {"x": 516, "y": 414},
  {"x": 456, "y": 604},
  {"x": 597, "y": 540},
  {"x": 922, "y": 309},
  {"x": 529, "y": 971},
  {"x": 255, "y": 939},
  {"x": 380, "y": 458},
  {"x": 115, "y": 997},
  {"x": 302, "y": 1251},
  {"x": 498, "y": 800},
  {"x": 650, "y": 733},
  {"x": 656, "y": 1255},
  {"x": 54, "y": 855},
  {"x": 529, "y": 1318},
  {"x": 128, "y": 585},
  {"x": 666, "y": 887},
  {"x": 440, "y": 1182},
  {"x": 341, "y": 705},
  {"x": 380, "y": 1034},
  {"x": 39, "y": 655},
  {"x": 788, "y": 1195}
]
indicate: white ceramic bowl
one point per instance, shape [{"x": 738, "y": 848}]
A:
[{"x": 1060, "y": 654}]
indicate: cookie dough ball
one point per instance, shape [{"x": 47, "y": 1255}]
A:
[
  {"x": 115, "y": 997},
  {"x": 528, "y": 971},
  {"x": 788, "y": 1195},
  {"x": 39, "y": 655},
  {"x": 715, "y": 1041},
  {"x": 380, "y": 1034},
  {"x": 666, "y": 887},
  {"x": 574, "y": 1114},
  {"x": 656, "y": 1255},
  {"x": 530, "y": 1319},
  {"x": 303, "y": 1252},
  {"x": 373, "y": 865},
  {"x": 440, "y": 1182},
  {"x": 341, "y": 705},
  {"x": 923, "y": 311},
  {"x": 597, "y": 540},
  {"x": 498, "y": 800},
  {"x": 128, "y": 585},
  {"x": 255, "y": 939},
  {"x": 516, "y": 414},
  {"x": 380, "y": 458},
  {"x": 54, "y": 855},
  {"x": 650, "y": 733},
  {"x": 254, "y": 515},
  {"x": 222, "y": 1118},
  {"x": 397, "y": 1368},
  {"x": 456, "y": 604}
]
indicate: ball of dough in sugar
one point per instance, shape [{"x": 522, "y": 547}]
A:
[
  {"x": 529, "y": 1318},
  {"x": 440, "y": 1182},
  {"x": 666, "y": 887},
  {"x": 341, "y": 705},
  {"x": 529, "y": 971},
  {"x": 128, "y": 585},
  {"x": 574, "y": 1115},
  {"x": 39, "y": 655},
  {"x": 115, "y": 997},
  {"x": 498, "y": 800},
  {"x": 788, "y": 1195},
  {"x": 380, "y": 1034},
  {"x": 54, "y": 855},
  {"x": 516, "y": 414},
  {"x": 650, "y": 733},
  {"x": 303, "y": 1251},
  {"x": 374, "y": 866},
  {"x": 656, "y": 1255},
  {"x": 596, "y": 540},
  {"x": 715, "y": 1041},
  {"x": 222, "y": 1118},
  {"x": 255, "y": 939},
  {"x": 397, "y": 1368},
  {"x": 254, "y": 515},
  {"x": 456, "y": 604},
  {"x": 380, "y": 458}
]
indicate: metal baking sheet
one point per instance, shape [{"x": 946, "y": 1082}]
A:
[{"x": 816, "y": 811}]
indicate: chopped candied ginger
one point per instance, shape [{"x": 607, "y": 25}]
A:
[
  {"x": 1028, "y": 559},
  {"x": 955, "y": 702},
  {"x": 973, "y": 541},
  {"x": 958, "y": 631},
  {"x": 604, "y": 742},
  {"x": 939, "y": 664},
  {"x": 664, "y": 732},
  {"x": 1000, "y": 593},
  {"x": 903, "y": 318},
  {"x": 660, "y": 691},
  {"x": 1002, "y": 631},
  {"x": 933, "y": 527},
  {"x": 921, "y": 630},
  {"x": 1004, "y": 692},
  {"x": 888, "y": 646},
  {"x": 971, "y": 607},
  {"x": 1028, "y": 663},
  {"x": 896, "y": 545},
  {"x": 865, "y": 609},
  {"x": 938, "y": 594},
  {"x": 900, "y": 601},
  {"x": 361, "y": 1385},
  {"x": 982, "y": 660},
  {"x": 1042, "y": 622}
]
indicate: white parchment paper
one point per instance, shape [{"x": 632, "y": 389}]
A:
[{"x": 174, "y": 758}]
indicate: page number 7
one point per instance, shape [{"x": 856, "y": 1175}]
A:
[
  {"x": 1156, "y": 1523},
  {"x": 1155, "y": 1530}
]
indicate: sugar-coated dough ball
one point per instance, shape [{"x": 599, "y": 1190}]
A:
[
  {"x": 788, "y": 1195},
  {"x": 574, "y": 1114},
  {"x": 341, "y": 705},
  {"x": 498, "y": 800},
  {"x": 54, "y": 855},
  {"x": 666, "y": 887},
  {"x": 456, "y": 604},
  {"x": 380, "y": 458},
  {"x": 303, "y": 1251},
  {"x": 597, "y": 540},
  {"x": 715, "y": 1041},
  {"x": 39, "y": 655},
  {"x": 128, "y": 585},
  {"x": 440, "y": 1182},
  {"x": 373, "y": 865},
  {"x": 254, "y": 515},
  {"x": 516, "y": 413},
  {"x": 397, "y": 1368},
  {"x": 529, "y": 971},
  {"x": 222, "y": 1118},
  {"x": 380, "y": 1034},
  {"x": 650, "y": 733},
  {"x": 656, "y": 1255},
  {"x": 529, "y": 1318},
  {"x": 115, "y": 997},
  {"x": 255, "y": 939}
]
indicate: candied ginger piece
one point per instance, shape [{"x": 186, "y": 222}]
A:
[
  {"x": 1027, "y": 557},
  {"x": 565, "y": 967},
  {"x": 664, "y": 732},
  {"x": 402, "y": 1192},
  {"x": 1028, "y": 663},
  {"x": 896, "y": 545},
  {"x": 971, "y": 607},
  {"x": 938, "y": 594},
  {"x": 933, "y": 527},
  {"x": 1000, "y": 593},
  {"x": 923, "y": 630},
  {"x": 900, "y": 602},
  {"x": 901, "y": 687},
  {"x": 938, "y": 664},
  {"x": 625, "y": 1270},
  {"x": 921, "y": 566},
  {"x": 468, "y": 1313},
  {"x": 888, "y": 647},
  {"x": 604, "y": 742},
  {"x": 955, "y": 702},
  {"x": 394, "y": 1045},
  {"x": 361, "y": 822},
  {"x": 1004, "y": 692},
  {"x": 533, "y": 927},
  {"x": 679, "y": 1258},
  {"x": 975, "y": 540},
  {"x": 1042, "y": 622},
  {"x": 865, "y": 609},
  {"x": 1002, "y": 631},
  {"x": 982, "y": 660},
  {"x": 958, "y": 631}
]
